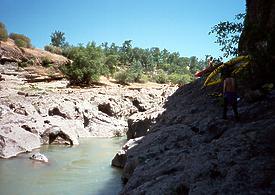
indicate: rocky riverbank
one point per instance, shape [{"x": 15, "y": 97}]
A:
[
  {"x": 35, "y": 113},
  {"x": 190, "y": 149}
]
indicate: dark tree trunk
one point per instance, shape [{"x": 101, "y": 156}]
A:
[{"x": 258, "y": 39}]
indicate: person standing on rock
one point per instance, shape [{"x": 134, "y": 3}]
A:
[{"x": 229, "y": 94}]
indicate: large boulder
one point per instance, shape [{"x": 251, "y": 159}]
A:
[
  {"x": 140, "y": 123},
  {"x": 55, "y": 134},
  {"x": 15, "y": 140},
  {"x": 115, "y": 106},
  {"x": 101, "y": 125},
  {"x": 120, "y": 158}
]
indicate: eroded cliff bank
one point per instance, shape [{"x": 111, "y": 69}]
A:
[{"x": 192, "y": 150}]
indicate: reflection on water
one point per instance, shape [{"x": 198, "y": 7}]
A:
[{"x": 83, "y": 169}]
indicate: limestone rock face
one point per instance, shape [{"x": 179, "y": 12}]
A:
[{"x": 49, "y": 112}]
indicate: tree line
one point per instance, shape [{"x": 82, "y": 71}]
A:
[
  {"x": 125, "y": 62},
  {"x": 133, "y": 64}
]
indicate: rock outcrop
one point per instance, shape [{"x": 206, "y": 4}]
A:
[
  {"x": 51, "y": 113},
  {"x": 39, "y": 65},
  {"x": 191, "y": 149},
  {"x": 9, "y": 52}
]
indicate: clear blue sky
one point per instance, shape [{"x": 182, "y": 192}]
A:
[{"x": 177, "y": 25}]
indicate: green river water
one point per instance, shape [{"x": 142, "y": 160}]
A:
[{"x": 83, "y": 169}]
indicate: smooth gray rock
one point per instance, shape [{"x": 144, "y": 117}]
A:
[
  {"x": 140, "y": 123},
  {"x": 15, "y": 140},
  {"x": 39, "y": 157}
]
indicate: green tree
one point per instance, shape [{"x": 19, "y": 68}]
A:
[
  {"x": 164, "y": 56},
  {"x": 113, "y": 49},
  {"x": 112, "y": 61},
  {"x": 155, "y": 51},
  {"x": 228, "y": 35},
  {"x": 87, "y": 65},
  {"x": 3, "y": 32},
  {"x": 173, "y": 58},
  {"x": 58, "y": 39},
  {"x": 126, "y": 54},
  {"x": 134, "y": 72}
]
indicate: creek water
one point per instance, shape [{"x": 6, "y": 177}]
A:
[{"x": 83, "y": 169}]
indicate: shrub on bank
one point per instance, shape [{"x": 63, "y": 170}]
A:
[
  {"x": 3, "y": 32},
  {"x": 46, "y": 62},
  {"x": 121, "y": 76},
  {"x": 132, "y": 74},
  {"x": 53, "y": 49},
  {"x": 27, "y": 62},
  {"x": 180, "y": 79},
  {"x": 20, "y": 40},
  {"x": 161, "y": 77},
  {"x": 144, "y": 78}
]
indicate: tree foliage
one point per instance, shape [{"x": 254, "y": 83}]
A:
[
  {"x": 129, "y": 64},
  {"x": 228, "y": 35},
  {"x": 3, "y": 32},
  {"x": 87, "y": 64},
  {"x": 58, "y": 39}
]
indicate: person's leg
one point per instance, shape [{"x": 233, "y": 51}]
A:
[
  {"x": 225, "y": 103},
  {"x": 235, "y": 109}
]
